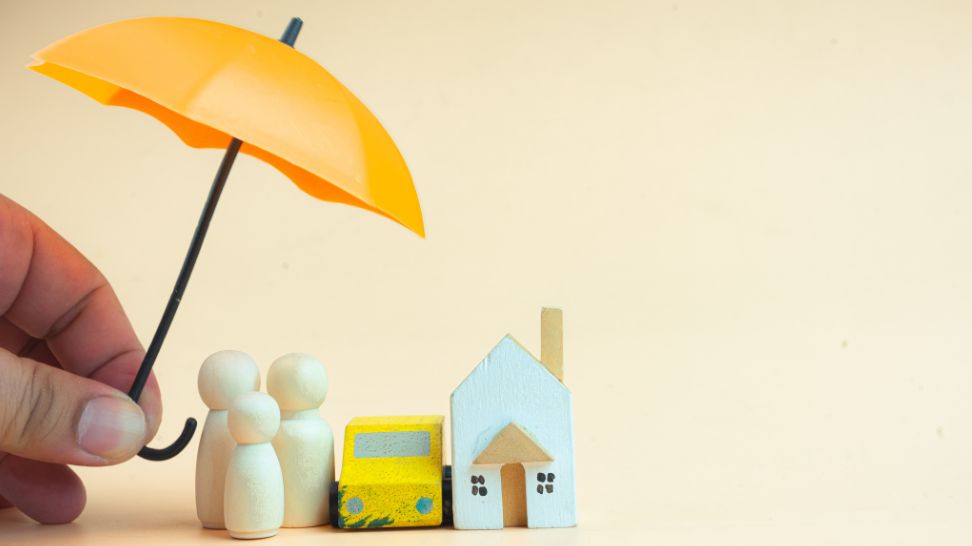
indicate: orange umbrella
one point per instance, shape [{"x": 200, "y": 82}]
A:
[{"x": 215, "y": 84}]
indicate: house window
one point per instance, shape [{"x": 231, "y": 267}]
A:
[
  {"x": 479, "y": 487},
  {"x": 545, "y": 482}
]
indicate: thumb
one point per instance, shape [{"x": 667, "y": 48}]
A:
[{"x": 49, "y": 414}]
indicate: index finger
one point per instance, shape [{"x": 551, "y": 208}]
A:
[{"x": 52, "y": 292}]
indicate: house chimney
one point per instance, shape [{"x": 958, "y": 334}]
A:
[{"x": 552, "y": 341}]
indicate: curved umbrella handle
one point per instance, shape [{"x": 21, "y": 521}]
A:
[
  {"x": 166, "y": 453},
  {"x": 149, "y": 453}
]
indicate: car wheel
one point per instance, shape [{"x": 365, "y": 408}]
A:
[
  {"x": 447, "y": 495},
  {"x": 333, "y": 505}
]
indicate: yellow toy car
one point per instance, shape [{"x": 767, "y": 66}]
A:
[{"x": 392, "y": 474}]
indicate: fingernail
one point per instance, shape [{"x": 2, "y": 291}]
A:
[{"x": 111, "y": 427}]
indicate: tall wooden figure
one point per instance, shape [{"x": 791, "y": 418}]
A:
[
  {"x": 254, "y": 496},
  {"x": 513, "y": 439},
  {"x": 222, "y": 377},
  {"x": 305, "y": 443}
]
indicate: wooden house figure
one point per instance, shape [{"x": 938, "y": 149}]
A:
[{"x": 512, "y": 438}]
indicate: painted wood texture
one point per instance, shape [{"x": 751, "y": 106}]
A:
[
  {"x": 305, "y": 443},
  {"x": 391, "y": 473},
  {"x": 305, "y": 448},
  {"x": 222, "y": 377},
  {"x": 254, "y": 495},
  {"x": 511, "y": 386},
  {"x": 512, "y": 445},
  {"x": 215, "y": 449},
  {"x": 513, "y": 484},
  {"x": 552, "y": 341}
]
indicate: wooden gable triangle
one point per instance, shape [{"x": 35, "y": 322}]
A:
[{"x": 513, "y": 445}]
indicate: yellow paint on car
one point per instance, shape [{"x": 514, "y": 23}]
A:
[{"x": 392, "y": 472}]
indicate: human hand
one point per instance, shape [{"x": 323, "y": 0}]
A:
[{"x": 65, "y": 347}]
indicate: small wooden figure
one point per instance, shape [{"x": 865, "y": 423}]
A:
[
  {"x": 254, "y": 496},
  {"x": 392, "y": 473},
  {"x": 222, "y": 377},
  {"x": 512, "y": 438},
  {"x": 305, "y": 443}
]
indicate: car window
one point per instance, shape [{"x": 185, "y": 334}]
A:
[{"x": 392, "y": 444}]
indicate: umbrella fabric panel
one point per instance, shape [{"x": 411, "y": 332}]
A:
[{"x": 207, "y": 81}]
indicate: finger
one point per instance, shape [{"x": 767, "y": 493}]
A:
[
  {"x": 116, "y": 374},
  {"x": 48, "y": 493},
  {"x": 51, "y": 292},
  {"x": 18, "y": 342},
  {"x": 12, "y": 338},
  {"x": 119, "y": 373},
  {"x": 37, "y": 350},
  {"x": 51, "y": 415}
]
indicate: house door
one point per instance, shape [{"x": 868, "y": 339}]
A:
[{"x": 513, "y": 478}]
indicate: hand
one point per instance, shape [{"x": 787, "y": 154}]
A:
[{"x": 65, "y": 347}]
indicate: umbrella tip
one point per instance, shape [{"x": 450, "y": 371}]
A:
[{"x": 293, "y": 29}]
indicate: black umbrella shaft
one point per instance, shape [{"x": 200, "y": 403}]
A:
[
  {"x": 187, "y": 265},
  {"x": 152, "y": 454}
]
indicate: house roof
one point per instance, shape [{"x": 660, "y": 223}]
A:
[
  {"x": 511, "y": 352},
  {"x": 513, "y": 444}
]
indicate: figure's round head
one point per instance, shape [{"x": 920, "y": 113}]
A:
[
  {"x": 297, "y": 382},
  {"x": 253, "y": 418},
  {"x": 226, "y": 375}
]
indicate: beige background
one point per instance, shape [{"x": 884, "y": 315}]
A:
[{"x": 755, "y": 214}]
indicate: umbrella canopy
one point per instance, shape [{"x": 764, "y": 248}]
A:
[{"x": 209, "y": 82}]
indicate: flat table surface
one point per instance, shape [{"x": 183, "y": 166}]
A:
[
  {"x": 755, "y": 215},
  {"x": 123, "y": 515}
]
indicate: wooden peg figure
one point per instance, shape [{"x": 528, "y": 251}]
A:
[
  {"x": 254, "y": 496},
  {"x": 222, "y": 377},
  {"x": 305, "y": 443}
]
